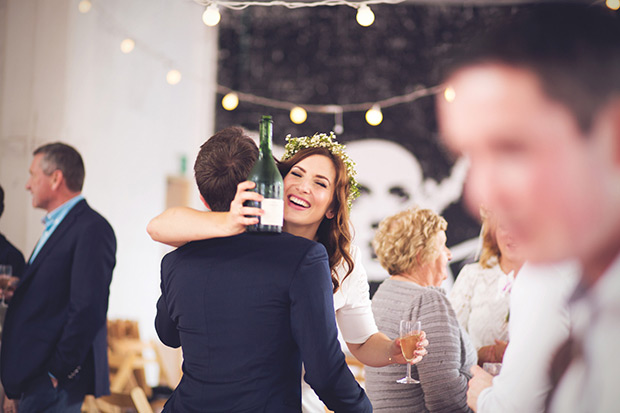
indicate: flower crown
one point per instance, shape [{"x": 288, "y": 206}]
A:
[{"x": 322, "y": 140}]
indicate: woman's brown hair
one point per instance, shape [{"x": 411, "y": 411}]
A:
[
  {"x": 490, "y": 253},
  {"x": 335, "y": 233}
]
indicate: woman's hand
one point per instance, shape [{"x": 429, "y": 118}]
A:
[
  {"x": 239, "y": 216},
  {"x": 396, "y": 355},
  {"x": 493, "y": 353}
]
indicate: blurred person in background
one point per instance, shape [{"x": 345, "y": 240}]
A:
[
  {"x": 411, "y": 246},
  {"x": 537, "y": 111},
  {"x": 481, "y": 293},
  {"x": 9, "y": 255}
]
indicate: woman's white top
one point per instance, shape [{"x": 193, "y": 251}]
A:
[
  {"x": 481, "y": 299},
  {"x": 356, "y": 322},
  {"x": 352, "y": 302}
]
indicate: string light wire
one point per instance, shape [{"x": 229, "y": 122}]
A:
[
  {"x": 240, "y": 5},
  {"x": 337, "y": 110}
]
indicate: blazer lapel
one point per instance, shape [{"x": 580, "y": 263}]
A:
[{"x": 57, "y": 235}]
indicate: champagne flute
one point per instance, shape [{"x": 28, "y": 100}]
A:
[
  {"x": 410, "y": 332},
  {"x": 6, "y": 271}
]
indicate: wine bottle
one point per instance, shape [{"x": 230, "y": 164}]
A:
[{"x": 269, "y": 183}]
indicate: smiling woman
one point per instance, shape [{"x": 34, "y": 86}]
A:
[{"x": 319, "y": 183}]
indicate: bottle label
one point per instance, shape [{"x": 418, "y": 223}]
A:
[{"x": 274, "y": 212}]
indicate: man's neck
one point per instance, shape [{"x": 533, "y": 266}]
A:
[
  {"x": 595, "y": 265},
  {"x": 60, "y": 199}
]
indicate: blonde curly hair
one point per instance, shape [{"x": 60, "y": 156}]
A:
[{"x": 406, "y": 235}]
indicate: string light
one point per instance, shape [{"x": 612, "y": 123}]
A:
[
  {"x": 84, "y": 6},
  {"x": 449, "y": 94},
  {"x": 127, "y": 45},
  {"x": 613, "y": 4},
  {"x": 240, "y": 5},
  {"x": 231, "y": 96},
  {"x": 374, "y": 116},
  {"x": 211, "y": 17},
  {"x": 230, "y": 101},
  {"x": 173, "y": 77},
  {"x": 298, "y": 115},
  {"x": 365, "y": 17}
]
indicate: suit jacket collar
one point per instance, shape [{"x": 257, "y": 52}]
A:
[{"x": 62, "y": 229}]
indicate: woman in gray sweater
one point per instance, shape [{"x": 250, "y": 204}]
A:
[{"x": 411, "y": 246}]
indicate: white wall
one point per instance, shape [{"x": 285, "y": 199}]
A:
[{"x": 63, "y": 77}]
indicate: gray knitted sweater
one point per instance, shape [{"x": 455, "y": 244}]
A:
[{"x": 443, "y": 372}]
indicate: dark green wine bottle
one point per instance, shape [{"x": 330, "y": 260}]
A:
[{"x": 269, "y": 183}]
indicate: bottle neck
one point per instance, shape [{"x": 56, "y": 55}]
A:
[{"x": 266, "y": 132}]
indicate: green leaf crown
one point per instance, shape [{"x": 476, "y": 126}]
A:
[{"x": 322, "y": 140}]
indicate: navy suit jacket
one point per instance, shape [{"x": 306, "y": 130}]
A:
[
  {"x": 56, "y": 321},
  {"x": 247, "y": 310},
  {"x": 12, "y": 256}
]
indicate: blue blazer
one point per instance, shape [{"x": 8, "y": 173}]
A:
[
  {"x": 247, "y": 310},
  {"x": 56, "y": 321},
  {"x": 12, "y": 256}
]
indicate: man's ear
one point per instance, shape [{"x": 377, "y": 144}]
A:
[
  {"x": 607, "y": 131},
  {"x": 616, "y": 130},
  {"x": 205, "y": 203},
  {"x": 57, "y": 179}
]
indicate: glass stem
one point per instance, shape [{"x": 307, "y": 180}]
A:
[{"x": 409, "y": 370}]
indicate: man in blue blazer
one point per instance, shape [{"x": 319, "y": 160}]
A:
[
  {"x": 248, "y": 309},
  {"x": 54, "y": 342}
]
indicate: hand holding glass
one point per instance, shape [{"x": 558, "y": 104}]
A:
[
  {"x": 410, "y": 332},
  {"x": 7, "y": 282}
]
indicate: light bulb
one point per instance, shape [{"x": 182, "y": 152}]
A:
[
  {"x": 230, "y": 101},
  {"x": 84, "y": 6},
  {"x": 449, "y": 94},
  {"x": 173, "y": 77},
  {"x": 211, "y": 17},
  {"x": 298, "y": 115},
  {"x": 365, "y": 17},
  {"x": 338, "y": 129},
  {"x": 613, "y": 4},
  {"x": 374, "y": 116},
  {"x": 127, "y": 45}
]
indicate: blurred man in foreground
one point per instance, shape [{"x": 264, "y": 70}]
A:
[{"x": 537, "y": 111}]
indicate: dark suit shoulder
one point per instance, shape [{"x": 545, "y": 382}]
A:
[
  {"x": 283, "y": 242},
  {"x": 284, "y": 247},
  {"x": 87, "y": 216}
]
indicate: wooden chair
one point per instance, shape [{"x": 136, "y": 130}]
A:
[
  {"x": 126, "y": 357},
  {"x": 135, "y": 400}
]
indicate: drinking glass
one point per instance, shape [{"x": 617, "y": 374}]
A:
[
  {"x": 6, "y": 271},
  {"x": 492, "y": 368},
  {"x": 410, "y": 332}
]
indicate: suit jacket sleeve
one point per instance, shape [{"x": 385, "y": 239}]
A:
[
  {"x": 91, "y": 274},
  {"x": 164, "y": 325},
  {"x": 314, "y": 329}
]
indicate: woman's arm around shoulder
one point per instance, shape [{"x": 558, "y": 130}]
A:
[{"x": 179, "y": 225}]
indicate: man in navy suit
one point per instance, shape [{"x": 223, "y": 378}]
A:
[
  {"x": 248, "y": 309},
  {"x": 54, "y": 343},
  {"x": 8, "y": 253}
]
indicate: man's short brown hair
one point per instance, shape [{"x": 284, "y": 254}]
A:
[
  {"x": 222, "y": 163},
  {"x": 63, "y": 157}
]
